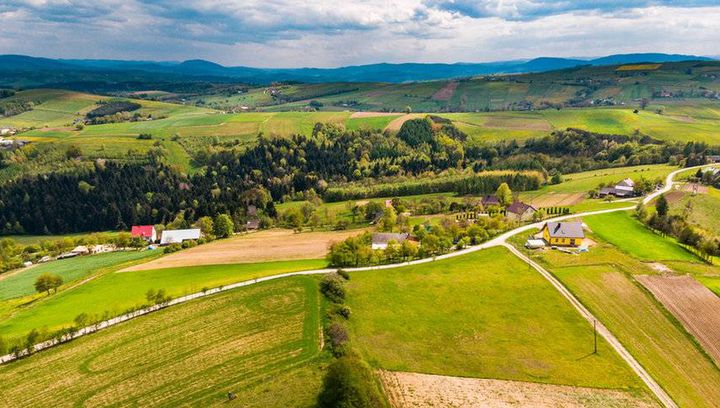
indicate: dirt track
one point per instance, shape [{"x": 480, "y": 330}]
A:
[
  {"x": 697, "y": 308},
  {"x": 411, "y": 390},
  {"x": 261, "y": 246}
]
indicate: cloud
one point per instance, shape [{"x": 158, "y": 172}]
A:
[
  {"x": 533, "y": 9},
  {"x": 330, "y": 32}
]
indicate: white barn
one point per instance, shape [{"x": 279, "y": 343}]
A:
[{"x": 178, "y": 236}]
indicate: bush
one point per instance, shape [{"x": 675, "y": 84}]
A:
[
  {"x": 172, "y": 248},
  {"x": 349, "y": 382},
  {"x": 344, "y": 311},
  {"x": 332, "y": 287},
  {"x": 337, "y": 334},
  {"x": 345, "y": 275}
]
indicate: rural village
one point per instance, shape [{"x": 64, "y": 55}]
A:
[{"x": 413, "y": 204}]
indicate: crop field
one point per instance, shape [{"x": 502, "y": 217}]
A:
[
  {"x": 603, "y": 280},
  {"x": 632, "y": 237},
  {"x": 484, "y": 315},
  {"x": 20, "y": 283},
  {"x": 114, "y": 293},
  {"x": 261, "y": 246},
  {"x": 642, "y": 325},
  {"x": 696, "y": 307},
  {"x": 410, "y": 390},
  {"x": 260, "y": 342}
]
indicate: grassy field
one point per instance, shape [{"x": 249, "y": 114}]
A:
[
  {"x": 704, "y": 209},
  {"x": 114, "y": 293},
  {"x": 632, "y": 237},
  {"x": 260, "y": 342},
  {"x": 483, "y": 315},
  {"x": 646, "y": 329},
  {"x": 572, "y": 192},
  {"x": 603, "y": 280},
  {"x": 20, "y": 283}
]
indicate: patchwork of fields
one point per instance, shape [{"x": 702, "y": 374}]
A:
[
  {"x": 261, "y": 342},
  {"x": 604, "y": 280}
]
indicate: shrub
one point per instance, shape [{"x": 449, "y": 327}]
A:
[
  {"x": 338, "y": 336},
  {"x": 172, "y": 248},
  {"x": 344, "y": 311},
  {"x": 332, "y": 287},
  {"x": 344, "y": 274},
  {"x": 349, "y": 382}
]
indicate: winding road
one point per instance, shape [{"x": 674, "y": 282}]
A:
[{"x": 500, "y": 240}]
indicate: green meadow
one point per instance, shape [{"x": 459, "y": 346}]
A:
[
  {"x": 633, "y": 238},
  {"x": 21, "y": 283},
  {"x": 114, "y": 293},
  {"x": 485, "y": 315}
]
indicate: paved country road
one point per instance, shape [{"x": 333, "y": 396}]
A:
[{"x": 500, "y": 240}]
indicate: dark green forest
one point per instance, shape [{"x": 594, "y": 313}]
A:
[{"x": 425, "y": 156}]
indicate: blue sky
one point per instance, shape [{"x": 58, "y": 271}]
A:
[{"x": 326, "y": 33}]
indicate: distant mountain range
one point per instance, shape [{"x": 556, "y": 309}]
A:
[{"x": 20, "y": 70}]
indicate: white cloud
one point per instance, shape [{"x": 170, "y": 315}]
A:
[{"x": 330, "y": 33}]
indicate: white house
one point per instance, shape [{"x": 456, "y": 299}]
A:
[{"x": 178, "y": 236}]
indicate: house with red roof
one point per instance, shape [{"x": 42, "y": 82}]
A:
[{"x": 146, "y": 232}]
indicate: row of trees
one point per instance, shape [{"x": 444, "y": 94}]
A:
[
  {"x": 704, "y": 242},
  {"x": 427, "y": 240}
]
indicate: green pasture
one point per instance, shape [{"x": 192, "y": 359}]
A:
[
  {"x": 21, "y": 283},
  {"x": 116, "y": 292},
  {"x": 485, "y": 315},
  {"x": 633, "y": 238}
]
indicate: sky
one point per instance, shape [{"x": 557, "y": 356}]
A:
[{"x": 329, "y": 33}]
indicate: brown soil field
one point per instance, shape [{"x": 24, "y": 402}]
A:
[
  {"x": 691, "y": 187},
  {"x": 557, "y": 199},
  {"x": 413, "y": 390},
  {"x": 261, "y": 246},
  {"x": 674, "y": 196},
  {"x": 446, "y": 92},
  {"x": 694, "y": 305},
  {"x": 358, "y": 115},
  {"x": 397, "y": 123}
]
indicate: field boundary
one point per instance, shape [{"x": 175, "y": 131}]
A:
[{"x": 656, "y": 389}]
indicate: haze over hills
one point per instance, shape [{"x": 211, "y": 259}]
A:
[{"x": 48, "y": 71}]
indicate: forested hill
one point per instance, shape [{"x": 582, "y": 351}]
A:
[
  {"x": 24, "y": 71},
  {"x": 112, "y": 196}
]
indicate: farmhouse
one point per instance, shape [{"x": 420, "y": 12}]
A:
[
  {"x": 382, "y": 239},
  {"x": 178, "y": 236},
  {"x": 519, "y": 211},
  {"x": 625, "y": 188},
  {"x": 146, "y": 232},
  {"x": 563, "y": 233}
]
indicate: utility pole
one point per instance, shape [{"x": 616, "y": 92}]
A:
[{"x": 595, "y": 336}]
